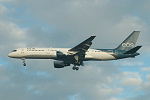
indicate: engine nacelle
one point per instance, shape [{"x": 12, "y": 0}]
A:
[{"x": 60, "y": 64}]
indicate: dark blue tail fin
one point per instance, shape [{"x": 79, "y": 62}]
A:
[{"x": 129, "y": 42}]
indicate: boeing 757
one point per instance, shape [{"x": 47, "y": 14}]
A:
[{"x": 77, "y": 55}]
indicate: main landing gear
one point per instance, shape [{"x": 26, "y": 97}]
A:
[
  {"x": 24, "y": 63},
  {"x": 76, "y": 63},
  {"x": 75, "y": 68}
]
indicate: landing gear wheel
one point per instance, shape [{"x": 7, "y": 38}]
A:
[
  {"x": 75, "y": 68},
  {"x": 24, "y": 64}
]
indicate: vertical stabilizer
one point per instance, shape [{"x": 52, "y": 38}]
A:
[{"x": 129, "y": 42}]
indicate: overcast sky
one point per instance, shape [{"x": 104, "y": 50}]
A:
[{"x": 66, "y": 23}]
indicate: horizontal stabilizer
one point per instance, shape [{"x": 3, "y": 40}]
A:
[{"x": 134, "y": 50}]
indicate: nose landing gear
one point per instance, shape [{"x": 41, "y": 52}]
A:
[{"x": 24, "y": 63}]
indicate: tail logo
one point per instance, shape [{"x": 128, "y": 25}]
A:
[{"x": 127, "y": 44}]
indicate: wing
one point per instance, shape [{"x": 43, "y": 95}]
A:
[
  {"x": 84, "y": 46},
  {"x": 76, "y": 55}
]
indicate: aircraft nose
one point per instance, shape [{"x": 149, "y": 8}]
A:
[{"x": 9, "y": 55}]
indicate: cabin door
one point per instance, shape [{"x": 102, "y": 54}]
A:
[{"x": 22, "y": 51}]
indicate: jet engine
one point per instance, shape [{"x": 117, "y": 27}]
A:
[{"x": 60, "y": 64}]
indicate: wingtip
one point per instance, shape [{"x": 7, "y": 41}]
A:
[
  {"x": 139, "y": 46},
  {"x": 93, "y": 36},
  {"x": 137, "y": 31}
]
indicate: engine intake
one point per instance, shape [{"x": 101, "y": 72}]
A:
[{"x": 60, "y": 64}]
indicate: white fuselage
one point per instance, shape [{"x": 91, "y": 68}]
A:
[{"x": 50, "y": 53}]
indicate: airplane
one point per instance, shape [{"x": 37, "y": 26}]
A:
[{"x": 66, "y": 56}]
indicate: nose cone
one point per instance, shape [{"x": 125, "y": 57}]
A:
[{"x": 9, "y": 55}]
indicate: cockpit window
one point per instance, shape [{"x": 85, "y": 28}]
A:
[{"x": 14, "y": 50}]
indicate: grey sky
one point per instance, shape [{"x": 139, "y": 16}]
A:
[{"x": 65, "y": 23}]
